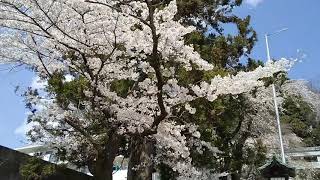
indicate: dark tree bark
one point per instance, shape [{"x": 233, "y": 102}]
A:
[
  {"x": 140, "y": 163},
  {"x": 103, "y": 169},
  {"x": 102, "y": 166}
]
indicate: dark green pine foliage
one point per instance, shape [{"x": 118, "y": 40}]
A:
[
  {"x": 227, "y": 116},
  {"x": 67, "y": 92},
  {"x": 36, "y": 169},
  {"x": 223, "y": 122},
  {"x": 300, "y": 117}
]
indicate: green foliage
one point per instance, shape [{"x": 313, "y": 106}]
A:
[
  {"x": 204, "y": 10},
  {"x": 224, "y": 124},
  {"x": 296, "y": 108},
  {"x": 122, "y": 87},
  {"x": 188, "y": 77},
  {"x": 278, "y": 79},
  {"x": 222, "y": 51},
  {"x": 67, "y": 92},
  {"x": 36, "y": 169},
  {"x": 225, "y": 114},
  {"x": 214, "y": 46},
  {"x": 251, "y": 65},
  {"x": 195, "y": 76},
  {"x": 221, "y": 122},
  {"x": 300, "y": 116}
]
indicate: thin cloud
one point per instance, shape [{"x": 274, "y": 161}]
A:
[
  {"x": 23, "y": 128},
  {"x": 253, "y": 3}
]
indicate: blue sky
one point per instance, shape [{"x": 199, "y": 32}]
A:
[
  {"x": 12, "y": 109},
  {"x": 303, "y": 33},
  {"x": 300, "y": 40}
]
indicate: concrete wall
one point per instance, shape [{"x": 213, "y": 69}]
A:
[{"x": 11, "y": 160}]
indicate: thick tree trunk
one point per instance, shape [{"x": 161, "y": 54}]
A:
[
  {"x": 101, "y": 167},
  {"x": 140, "y": 162}
]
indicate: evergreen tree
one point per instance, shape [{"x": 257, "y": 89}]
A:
[{"x": 136, "y": 69}]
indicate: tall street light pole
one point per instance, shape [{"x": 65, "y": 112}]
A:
[{"x": 275, "y": 96}]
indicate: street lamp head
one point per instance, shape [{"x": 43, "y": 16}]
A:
[
  {"x": 276, "y": 32},
  {"x": 283, "y": 29}
]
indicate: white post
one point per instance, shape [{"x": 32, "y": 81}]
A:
[
  {"x": 276, "y": 105},
  {"x": 268, "y": 50},
  {"x": 278, "y": 123}
]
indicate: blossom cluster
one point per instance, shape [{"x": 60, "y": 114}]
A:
[{"x": 105, "y": 43}]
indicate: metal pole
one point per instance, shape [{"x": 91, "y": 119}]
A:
[
  {"x": 276, "y": 106},
  {"x": 278, "y": 123},
  {"x": 268, "y": 50}
]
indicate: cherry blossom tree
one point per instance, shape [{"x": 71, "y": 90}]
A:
[{"x": 124, "y": 58}]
